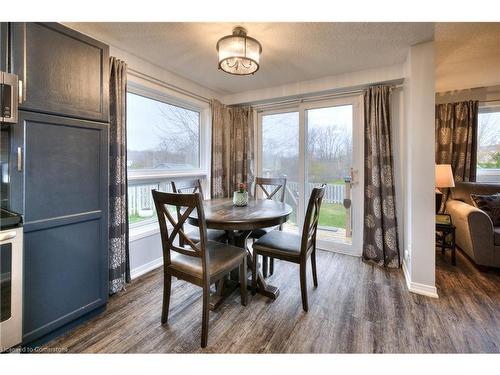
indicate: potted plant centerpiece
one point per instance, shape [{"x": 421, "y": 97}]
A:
[{"x": 240, "y": 197}]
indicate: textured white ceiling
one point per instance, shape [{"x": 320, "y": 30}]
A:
[
  {"x": 467, "y": 55},
  {"x": 464, "y": 41},
  {"x": 292, "y": 52}
]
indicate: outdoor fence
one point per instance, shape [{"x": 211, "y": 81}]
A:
[
  {"x": 334, "y": 193},
  {"x": 140, "y": 200}
]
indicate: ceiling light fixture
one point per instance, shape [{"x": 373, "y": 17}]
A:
[{"x": 238, "y": 53}]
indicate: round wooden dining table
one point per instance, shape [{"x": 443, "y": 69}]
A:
[{"x": 238, "y": 222}]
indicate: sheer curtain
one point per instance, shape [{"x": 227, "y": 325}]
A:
[
  {"x": 380, "y": 235},
  {"x": 119, "y": 267},
  {"x": 232, "y": 148}
]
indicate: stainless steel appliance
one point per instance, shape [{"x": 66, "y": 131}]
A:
[
  {"x": 11, "y": 279},
  {"x": 10, "y": 88},
  {"x": 11, "y": 230}
]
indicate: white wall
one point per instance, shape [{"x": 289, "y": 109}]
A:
[
  {"x": 469, "y": 74},
  {"x": 418, "y": 154},
  {"x": 467, "y": 55},
  {"x": 325, "y": 85}
]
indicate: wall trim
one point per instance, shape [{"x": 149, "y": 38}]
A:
[
  {"x": 423, "y": 289},
  {"x": 145, "y": 268}
]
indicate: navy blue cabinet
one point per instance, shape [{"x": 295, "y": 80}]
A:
[
  {"x": 63, "y": 72},
  {"x": 65, "y": 179},
  {"x": 61, "y": 186}
]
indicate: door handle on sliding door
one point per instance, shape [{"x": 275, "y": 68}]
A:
[{"x": 354, "y": 177}]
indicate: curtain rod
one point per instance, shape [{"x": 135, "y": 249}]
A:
[
  {"x": 292, "y": 102},
  {"x": 159, "y": 82}
]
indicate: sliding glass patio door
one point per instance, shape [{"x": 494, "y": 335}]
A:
[
  {"x": 314, "y": 143},
  {"x": 280, "y": 156}
]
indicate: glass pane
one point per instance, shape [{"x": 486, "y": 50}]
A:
[
  {"x": 141, "y": 207},
  {"x": 280, "y": 156},
  {"x": 488, "y": 152},
  {"x": 329, "y": 160},
  {"x": 160, "y": 136}
]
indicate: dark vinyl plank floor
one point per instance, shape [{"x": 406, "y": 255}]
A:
[{"x": 357, "y": 308}]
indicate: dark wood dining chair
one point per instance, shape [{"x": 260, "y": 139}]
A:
[
  {"x": 278, "y": 186},
  {"x": 202, "y": 263},
  {"x": 194, "y": 186},
  {"x": 293, "y": 247}
]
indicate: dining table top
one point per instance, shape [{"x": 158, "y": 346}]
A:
[{"x": 258, "y": 213}]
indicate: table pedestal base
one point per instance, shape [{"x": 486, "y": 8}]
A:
[{"x": 226, "y": 286}]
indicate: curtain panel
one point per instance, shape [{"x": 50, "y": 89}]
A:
[
  {"x": 380, "y": 234},
  {"x": 232, "y": 148},
  {"x": 456, "y": 140},
  {"x": 119, "y": 267}
]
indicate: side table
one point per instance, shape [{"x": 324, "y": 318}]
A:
[{"x": 445, "y": 229}]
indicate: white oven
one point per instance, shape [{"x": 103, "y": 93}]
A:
[{"x": 11, "y": 287}]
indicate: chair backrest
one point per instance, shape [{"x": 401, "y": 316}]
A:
[
  {"x": 186, "y": 187},
  {"x": 184, "y": 204},
  {"x": 311, "y": 220},
  {"x": 192, "y": 186},
  {"x": 278, "y": 184}
]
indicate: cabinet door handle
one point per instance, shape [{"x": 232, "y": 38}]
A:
[
  {"x": 20, "y": 159},
  {"x": 20, "y": 90}
]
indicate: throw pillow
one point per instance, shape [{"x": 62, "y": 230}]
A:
[{"x": 490, "y": 204}]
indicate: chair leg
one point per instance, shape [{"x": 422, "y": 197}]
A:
[
  {"x": 265, "y": 262},
  {"x": 271, "y": 266},
  {"x": 313, "y": 264},
  {"x": 254, "y": 272},
  {"x": 243, "y": 281},
  {"x": 167, "y": 284},
  {"x": 303, "y": 285},
  {"x": 204, "y": 322}
]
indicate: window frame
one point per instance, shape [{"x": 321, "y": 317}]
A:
[
  {"x": 481, "y": 173},
  {"x": 149, "y": 90}
]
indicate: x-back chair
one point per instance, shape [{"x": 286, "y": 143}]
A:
[
  {"x": 277, "y": 190},
  {"x": 293, "y": 247},
  {"x": 200, "y": 263},
  {"x": 194, "y": 186}
]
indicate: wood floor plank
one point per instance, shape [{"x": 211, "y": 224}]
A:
[{"x": 357, "y": 308}]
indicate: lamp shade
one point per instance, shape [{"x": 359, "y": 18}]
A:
[{"x": 444, "y": 176}]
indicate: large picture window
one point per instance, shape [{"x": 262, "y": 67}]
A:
[
  {"x": 161, "y": 136},
  {"x": 488, "y": 144},
  {"x": 164, "y": 143}
]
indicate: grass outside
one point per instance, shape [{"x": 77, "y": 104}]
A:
[
  {"x": 136, "y": 218},
  {"x": 332, "y": 215}
]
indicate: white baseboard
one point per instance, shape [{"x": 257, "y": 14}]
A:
[
  {"x": 145, "y": 268},
  {"x": 423, "y": 289}
]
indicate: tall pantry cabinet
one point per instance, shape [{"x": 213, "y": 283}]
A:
[{"x": 62, "y": 187}]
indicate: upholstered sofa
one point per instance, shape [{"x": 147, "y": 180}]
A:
[{"x": 475, "y": 233}]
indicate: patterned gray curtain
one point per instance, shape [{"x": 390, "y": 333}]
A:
[
  {"x": 220, "y": 155},
  {"x": 232, "y": 148},
  {"x": 241, "y": 148},
  {"x": 456, "y": 140},
  {"x": 380, "y": 236},
  {"x": 119, "y": 267}
]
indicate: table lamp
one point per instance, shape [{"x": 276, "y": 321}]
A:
[{"x": 444, "y": 179}]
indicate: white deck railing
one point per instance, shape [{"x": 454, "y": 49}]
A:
[{"x": 140, "y": 201}]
